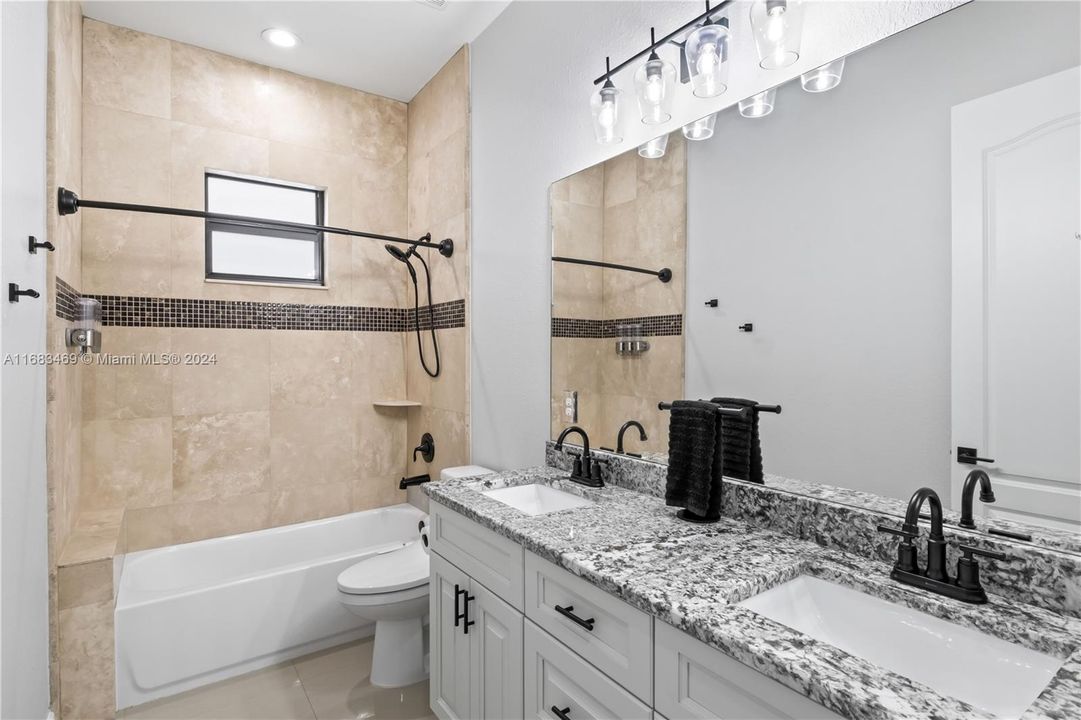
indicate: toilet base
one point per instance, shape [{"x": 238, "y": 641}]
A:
[{"x": 398, "y": 654}]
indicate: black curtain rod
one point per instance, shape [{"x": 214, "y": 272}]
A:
[
  {"x": 775, "y": 409},
  {"x": 68, "y": 202},
  {"x": 734, "y": 412},
  {"x": 707, "y": 15},
  {"x": 664, "y": 274}
]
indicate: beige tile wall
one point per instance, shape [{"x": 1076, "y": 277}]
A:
[
  {"x": 438, "y": 152},
  {"x": 281, "y": 428},
  {"x": 631, "y": 211}
]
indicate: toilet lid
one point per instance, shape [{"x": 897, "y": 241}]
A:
[{"x": 400, "y": 569}]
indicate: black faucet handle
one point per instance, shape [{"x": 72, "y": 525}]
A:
[
  {"x": 969, "y": 551},
  {"x": 907, "y": 535}
]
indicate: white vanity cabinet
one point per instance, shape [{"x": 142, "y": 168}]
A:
[{"x": 515, "y": 636}]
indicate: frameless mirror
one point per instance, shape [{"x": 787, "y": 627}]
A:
[{"x": 895, "y": 262}]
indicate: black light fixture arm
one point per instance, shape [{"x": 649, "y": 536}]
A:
[
  {"x": 664, "y": 274},
  {"x": 707, "y": 15},
  {"x": 68, "y": 203}
]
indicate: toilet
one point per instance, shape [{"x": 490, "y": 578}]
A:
[{"x": 391, "y": 589}]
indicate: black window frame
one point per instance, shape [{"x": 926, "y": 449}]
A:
[{"x": 315, "y": 236}]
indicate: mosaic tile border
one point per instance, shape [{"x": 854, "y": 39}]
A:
[
  {"x": 652, "y": 326},
  {"x": 138, "y": 311}
]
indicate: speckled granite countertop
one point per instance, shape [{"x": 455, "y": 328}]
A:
[{"x": 691, "y": 576}]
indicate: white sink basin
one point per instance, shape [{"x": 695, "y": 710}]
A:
[
  {"x": 984, "y": 671},
  {"x": 537, "y": 499}
]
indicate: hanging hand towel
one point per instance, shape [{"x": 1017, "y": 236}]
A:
[
  {"x": 694, "y": 459},
  {"x": 742, "y": 448}
]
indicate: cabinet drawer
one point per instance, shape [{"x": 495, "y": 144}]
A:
[
  {"x": 557, "y": 678},
  {"x": 491, "y": 559},
  {"x": 617, "y": 641},
  {"x": 695, "y": 680}
]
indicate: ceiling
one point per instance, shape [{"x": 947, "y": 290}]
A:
[{"x": 390, "y": 48}]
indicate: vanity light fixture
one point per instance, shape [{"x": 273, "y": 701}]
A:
[
  {"x": 707, "y": 58},
  {"x": 654, "y": 82},
  {"x": 760, "y": 105},
  {"x": 700, "y": 129},
  {"x": 823, "y": 78},
  {"x": 280, "y": 37},
  {"x": 605, "y": 106},
  {"x": 777, "y": 27},
  {"x": 654, "y": 148}
]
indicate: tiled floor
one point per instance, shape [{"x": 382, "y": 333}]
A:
[{"x": 330, "y": 685}]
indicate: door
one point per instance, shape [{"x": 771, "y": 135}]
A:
[
  {"x": 1016, "y": 325},
  {"x": 449, "y": 658},
  {"x": 496, "y": 657},
  {"x": 24, "y": 620}
]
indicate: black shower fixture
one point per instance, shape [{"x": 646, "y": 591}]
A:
[{"x": 403, "y": 257}]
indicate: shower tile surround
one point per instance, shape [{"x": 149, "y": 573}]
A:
[
  {"x": 630, "y": 211},
  {"x": 691, "y": 576},
  {"x": 143, "y": 456}
]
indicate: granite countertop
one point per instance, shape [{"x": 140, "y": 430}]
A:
[{"x": 691, "y": 576}]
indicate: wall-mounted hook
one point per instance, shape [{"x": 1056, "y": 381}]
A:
[
  {"x": 712, "y": 302},
  {"x": 746, "y": 327},
  {"x": 14, "y": 293},
  {"x": 33, "y": 245}
]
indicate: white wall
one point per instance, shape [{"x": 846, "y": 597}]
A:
[
  {"x": 532, "y": 73},
  {"x": 827, "y": 225},
  {"x": 24, "y": 594}
]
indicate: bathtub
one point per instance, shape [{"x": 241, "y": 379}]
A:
[{"x": 193, "y": 614}]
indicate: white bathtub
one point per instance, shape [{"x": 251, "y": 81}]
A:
[{"x": 192, "y": 614}]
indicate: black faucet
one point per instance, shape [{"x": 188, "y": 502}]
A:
[
  {"x": 987, "y": 495},
  {"x": 586, "y": 471},
  {"x": 935, "y": 577},
  {"x": 641, "y": 435}
]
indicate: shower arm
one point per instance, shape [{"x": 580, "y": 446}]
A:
[{"x": 68, "y": 203}]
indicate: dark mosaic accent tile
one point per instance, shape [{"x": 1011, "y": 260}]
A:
[
  {"x": 136, "y": 311},
  {"x": 652, "y": 326}
]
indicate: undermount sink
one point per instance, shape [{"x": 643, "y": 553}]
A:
[
  {"x": 984, "y": 671},
  {"x": 537, "y": 499}
]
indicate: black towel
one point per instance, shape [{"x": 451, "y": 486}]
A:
[
  {"x": 742, "y": 449},
  {"x": 694, "y": 459}
]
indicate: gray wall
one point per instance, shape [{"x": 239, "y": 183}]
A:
[
  {"x": 827, "y": 225},
  {"x": 532, "y": 71}
]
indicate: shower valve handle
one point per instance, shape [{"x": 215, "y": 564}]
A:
[{"x": 426, "y": 448}]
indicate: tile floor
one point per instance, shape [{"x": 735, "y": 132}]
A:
[{"x": 328, "y": 685}]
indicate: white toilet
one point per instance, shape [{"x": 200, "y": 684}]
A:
[{"x": 392, "y": 589}]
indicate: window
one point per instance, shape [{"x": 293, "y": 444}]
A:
[{"x": 239, "y": 251}]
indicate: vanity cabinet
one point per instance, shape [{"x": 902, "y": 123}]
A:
[{"x": 544, "y": 643}]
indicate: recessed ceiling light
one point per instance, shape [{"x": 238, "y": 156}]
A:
[{"x": 280, "y": 38}]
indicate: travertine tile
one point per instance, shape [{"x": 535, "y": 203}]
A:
[
  {"x": 310, "y": 113},
  {"x": 85, "y": 651},
  {"x": 378, "y": 128},
  {"x": 219, "y": 517},
  {"x": 378, "y": 367},
  {"x": 312, "y": 446},
  {"x": 197, "y": 149},
  {"x": 141, "y": 389},
  {"x": 380, "y": 441},
  {"x": 85, "y": 583},
  {"x": 301, "y": 504},
  {"x": 146, "y": 528},
  {"x": 127, "y": 463},
  {"x": 310, "y": 369},
  {"x": 220, "y": 455},
  {"x": 125, "y": 156},
  {"x": 125, "y": 69},
  {"x": 220, "y": 91},
  {"x": 374, "y": 491},
  {"x": 126, "y": 254},
  {"x": 448, "y": 188},
  {"x": 237, "y": 381},
  {"x": 621, "y": 178}
]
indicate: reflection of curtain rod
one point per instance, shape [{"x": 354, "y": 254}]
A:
[
  {"x": 68, "y": 202},
  {"x": 664, "y": 274}
]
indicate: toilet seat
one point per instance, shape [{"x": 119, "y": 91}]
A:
[{"x": 404, "y": 568}]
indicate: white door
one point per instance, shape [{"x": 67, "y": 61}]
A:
[
  {"x": 496, "y": 657},
  {"x": 449, "y": 660},
  {"x": 24, "y": 620},
  {"x": 1016, "y": 367}
]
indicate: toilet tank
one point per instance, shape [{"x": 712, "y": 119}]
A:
[{"x": 464, "y": 471}]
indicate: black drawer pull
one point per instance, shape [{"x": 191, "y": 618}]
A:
[
  {"x": 568, "y": 612},
  {"x": 458, "y": 614},
  {"x": 561, "y": 714},
  {"x": 465, "y": 612}
]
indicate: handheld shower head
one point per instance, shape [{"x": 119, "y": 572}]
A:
[{"x": 397, "y": 254}]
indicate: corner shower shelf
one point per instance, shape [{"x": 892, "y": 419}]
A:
[{"x": 396, "y": 403}]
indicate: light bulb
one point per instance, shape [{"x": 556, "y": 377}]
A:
[
  {"x": 654, "y": 89},
  {"x": 823, "y": 78},
  {"x": 280, "y": 38},
  {"x": 708, "y": 60},
  {"x": 706, "y": 51},
  {"x": 654, "y": 148},
  {"x": 701, "y": 129},
  {"x": 777, "y": 26},
  {"x": 758, "y": 106},
  {"x": 654, "y": 81},
  {"x": 605, "y": 107}
]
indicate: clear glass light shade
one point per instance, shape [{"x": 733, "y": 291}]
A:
[
  {"x": 655, "y": 85},
  {"x": 701, "y": 129},
  {"x": 823, "y": 78},
  {"x": 777, "y": 27},
  {"x": 654, "y": 148},
  {"x": 707, "y": 59},
  {"x": 759, "y": 105},
  {"x": 605, "y": 107}
]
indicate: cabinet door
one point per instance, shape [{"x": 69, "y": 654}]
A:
[
  {"x": 496, "y": 662},
  {"x": 449, "y": 660}
]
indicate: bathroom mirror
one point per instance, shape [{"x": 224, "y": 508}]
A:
[{"x": 895, "y": 262}]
